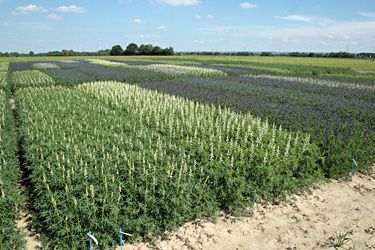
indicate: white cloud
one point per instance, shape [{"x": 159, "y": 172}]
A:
[
  {"x": 4, "y": 24},
  {"x": 24, "y": 10},
  {"x": 161, "y": 28},
  {"x": 304, "y": 37},
  {"x": 246, "y": 5},
  {"x": 198, "y": 41},
  {"x": 71, "y": 8},
  {"x": 54, "y": 17},
  {"x": 198, "y": 17},
  {"x": 144, "y": 36},
  {"x": 296, "y": 18},
  {"x": 180, "y": 2},
  {"x": 367, "y": 14},
  {"x": 137, "y": 21}
]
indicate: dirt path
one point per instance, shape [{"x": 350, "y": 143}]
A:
[
  {"x": 365, "y": 71},
  {"x": 31, "y": 237},
  {"x": 303, "y": 222}
]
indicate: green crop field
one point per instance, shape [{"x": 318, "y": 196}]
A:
[{"x": 149, "y": 143}]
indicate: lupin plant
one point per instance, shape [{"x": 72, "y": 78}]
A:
[
  {"x": 3, "y": 79},
  {"x": 11, "y": 201},
  {"x": 178, "y": 70},
  {"x": 4, "y": 66},
  {"x": 3, "y": 74},
  {"x": 339, "y": 117},
  {"x": 136, "y": 157},
  {"x": 30, "y": 78},
  {"x": 107, "y": 63}
]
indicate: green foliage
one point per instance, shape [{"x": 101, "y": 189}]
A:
[
  {"x": 145, "y": 49},
  {"x": 116, "y": 50},
  {"x": 131, "y": 49},
  {"x": 266, "y": 54},
  {"x": 340, "y": 240}
]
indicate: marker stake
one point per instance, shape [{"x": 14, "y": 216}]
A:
[
  {"x": 92, "y": 238},
  {"x": 354, "y": 162},
  {"x": 252, "y": 211},
  {"x": 121, "y": 233}
]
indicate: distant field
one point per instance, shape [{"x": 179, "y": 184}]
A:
[{"x": 356, "y": 64}]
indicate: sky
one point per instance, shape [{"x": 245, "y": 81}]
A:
[{"x": 188, "y": 25}]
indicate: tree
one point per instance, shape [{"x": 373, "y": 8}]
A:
[
  {"x": 131, "y": 49},
  {"x": 156, "y": 51},
  {"x": 14, "y": 54},
  {"x": 31, "y": 53},
  {"x": 145, "y": 49},
  {"x": 71, "y": 53},
  {"x": 116, "y": 50},
  {"x": 266, "y": 54},
  {"x": 312, "y": 54},
  {"x": 64, "y": 52},
  {"x": 170, "y": 51}
]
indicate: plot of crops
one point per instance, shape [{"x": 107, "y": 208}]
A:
[{"x": 146, "y": 147}]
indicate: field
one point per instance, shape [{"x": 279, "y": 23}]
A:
[{"x": 149, "y": 143}]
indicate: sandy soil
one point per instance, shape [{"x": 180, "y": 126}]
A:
[
  {"x": 304, "y": 221},
  {"x": 31, "y": 237}
]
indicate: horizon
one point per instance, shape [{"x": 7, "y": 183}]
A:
[{"x": 189, "y": 25}]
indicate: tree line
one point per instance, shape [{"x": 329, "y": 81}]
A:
[
  {"x": 64, "y": 52},
  {"x": 290, "y": 54},
  {"x": 144, "y": 49},
  {"x": 340, "y": 54},
  {"x": 149, "y": 49}
]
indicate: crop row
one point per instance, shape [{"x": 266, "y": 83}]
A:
[
  {"x": 108, "y": 155},
  {"x": 30, "y": 78},
  {"x": 107, "y": 63},
  {"x": 4, "y": 66},
  {"x": 3, "y": 79},
  {"x": 10, "y": 200},
  {"x": 178, "y": 70}
]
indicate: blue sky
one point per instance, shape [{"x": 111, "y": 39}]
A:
[{"x": 188, "y": 25}]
